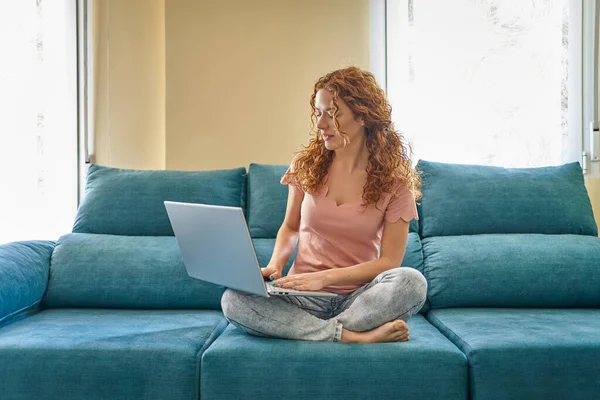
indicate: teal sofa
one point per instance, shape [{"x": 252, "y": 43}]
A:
[{"x": 512, "y": 258}]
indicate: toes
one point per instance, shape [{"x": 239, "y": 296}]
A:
[
  {"x": 403, "y": 336},
  {"x": 400, "y": 325}
]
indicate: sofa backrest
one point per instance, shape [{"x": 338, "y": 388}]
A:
[
  {"x": 496, "y": 237},
  {"x": 267, "y": 199},
  {"x": 130, "y": 202},
  {"x": 118, "y": 271},
  {"x": 513, "y": 270},
  {"x": 122, "y": 252},
  {"x": 474, "y": 199}
]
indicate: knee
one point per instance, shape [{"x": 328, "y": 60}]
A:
[
  {"x": 231, "y": 302},
  {"x": 411, "y": 281}
]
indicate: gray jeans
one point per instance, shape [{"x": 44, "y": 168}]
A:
[{"x": 394, "y": 294}]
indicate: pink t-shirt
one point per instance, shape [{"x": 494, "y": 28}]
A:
[{"x": 333, "y": 236}]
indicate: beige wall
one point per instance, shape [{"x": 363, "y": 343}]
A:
[
  {"x": 197, "y": 84},
  {"x": 129, "y": 68},
  {"x": 240, "y": 74},
  {"x": 593, "y": 188}
]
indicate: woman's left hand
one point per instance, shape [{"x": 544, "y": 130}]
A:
[{"x": 312, "y": 281}]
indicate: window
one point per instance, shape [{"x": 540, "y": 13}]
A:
[
  {"x": 494, "y": 82},
  {"x": 38, "y": 119}
]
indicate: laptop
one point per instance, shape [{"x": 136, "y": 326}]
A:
[{"x": 216, "y": 247}]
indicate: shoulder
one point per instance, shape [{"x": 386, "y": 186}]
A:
[
  {"x": 400, "y": 202},
  {"x": 399, "y": 188},
  {"x": 290, "y": 178},
  {"x": 294, "y": 161}
]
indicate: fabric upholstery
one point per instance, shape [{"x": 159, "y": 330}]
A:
[
  {"x": 131, "y": 202},
  {"x": 413, "y": 258},
  {"x": 109, "y": 271},
  {"x": 102, "y": 354},
  {"x": 474, "y": 199},
  {"x": 413, "y": 255},
  {"x": 23, "y": 277},
  {"x": 264, "y": 250},
  {"x": 527, "y": 354},
  {"x": 267, "y": 200},
  {"x": 238, "y": 366},
  {"x": 526, "y": 270}
]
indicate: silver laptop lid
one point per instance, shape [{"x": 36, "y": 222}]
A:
[{"x": 216, "y": 246}]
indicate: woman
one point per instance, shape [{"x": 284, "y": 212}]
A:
[{"x": 352, "y": 194}]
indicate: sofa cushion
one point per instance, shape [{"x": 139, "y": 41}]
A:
[
  {"x": 109, "y": 271},
  {"x": 264, "y": 250},
  {"x": 261, "y": 368},
  {"x": 413, "y": 258},
  {"x": 527, "y": 353},
  {"x": 267, "y": 200},
  {"x": 23, "y": 277},
  {"x": 475, "y": 199},
  {"x": 100, "y": 354},
  {"x": 527, "y": 270},
  {"x": 131, "y": 202}
]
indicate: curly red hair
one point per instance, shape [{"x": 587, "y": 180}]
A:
[{"x": 389, "y": 161}]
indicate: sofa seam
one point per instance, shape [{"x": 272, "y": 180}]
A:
[
  {"x": 425, "y": 270},
  {"x": 467, "y": 352},
  {"x": 4, "y": 321},
  {"x": 454, "y": 335},
  {"x": 214, "y": 334},
  {"x": 50, "y": 257}
]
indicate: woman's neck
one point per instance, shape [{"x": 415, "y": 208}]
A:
[{"x": 354, "y": 157}]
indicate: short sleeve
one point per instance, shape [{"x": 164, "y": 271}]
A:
[
  {"x": 296, "y": 190},
  {"x": 402, "y": 205}
]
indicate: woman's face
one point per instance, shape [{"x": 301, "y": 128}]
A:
[{"x": 345, "y": 117}]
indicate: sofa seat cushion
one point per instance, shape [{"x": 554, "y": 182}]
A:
[
  {"x": 101, "y": 354},
  {"x": 527, "y": 353},
  {"x": 241, "y": 366}
]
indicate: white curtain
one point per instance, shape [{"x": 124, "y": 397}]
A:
[
  {"x": 38, "y": 119},
  {"x": 486, "y": 82}
]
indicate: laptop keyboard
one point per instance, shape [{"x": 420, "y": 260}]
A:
[{"x": 278, "y": 289}]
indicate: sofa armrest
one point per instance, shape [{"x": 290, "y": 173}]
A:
[{"x": 24, "y": 269}]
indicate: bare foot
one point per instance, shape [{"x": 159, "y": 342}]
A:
[{"x": 394, "y": 331}]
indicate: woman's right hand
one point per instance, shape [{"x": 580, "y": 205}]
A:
[{"x": 271, "y": 272}]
